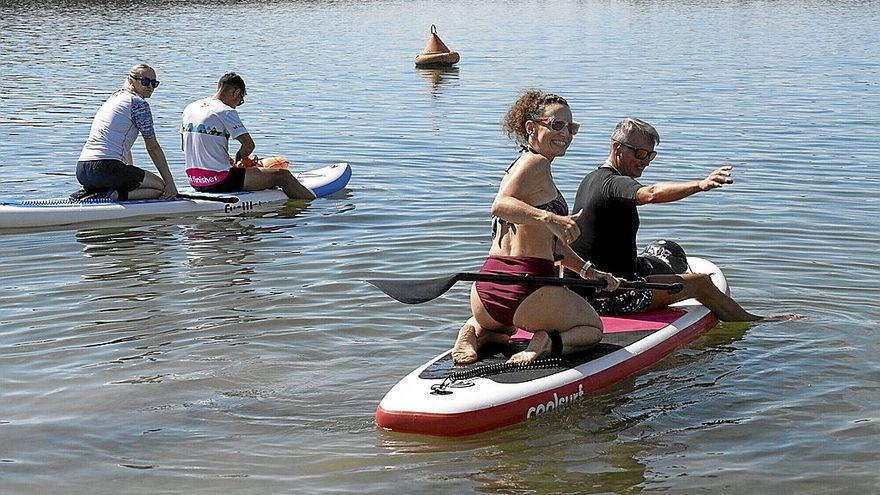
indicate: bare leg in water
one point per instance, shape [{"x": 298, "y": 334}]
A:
[{"x": 700, "y": 287}]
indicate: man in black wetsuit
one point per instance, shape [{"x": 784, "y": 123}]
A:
[{"x": 609, "y": 196}]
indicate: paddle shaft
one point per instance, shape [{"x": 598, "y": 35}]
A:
[
  {"x": 419, "y": 291},
  {"x": 222, "y": 199},
  {"x": 568, "y": 282}
]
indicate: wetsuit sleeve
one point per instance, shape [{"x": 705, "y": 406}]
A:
[
  {"x": 142, "y": 117},
  {"x": 233, "y": 123},
  {"x": 621, "y": 187}
]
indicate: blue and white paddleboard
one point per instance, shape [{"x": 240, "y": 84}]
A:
[{"x": 63, "y": 211}]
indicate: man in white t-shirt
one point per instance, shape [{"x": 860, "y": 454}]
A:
[{"x": 205, "y": 130}]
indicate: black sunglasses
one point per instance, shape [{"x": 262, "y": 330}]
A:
[
  {"x": 145, "y": 81},
  {"x": 640, "y": 153}
]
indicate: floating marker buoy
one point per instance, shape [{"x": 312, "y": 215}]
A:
[{"x": 436, "y": 53}]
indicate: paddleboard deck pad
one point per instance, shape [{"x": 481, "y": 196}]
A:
[
  {"x": 64, "y": 211},
  {"x": 442, "y": 399}
]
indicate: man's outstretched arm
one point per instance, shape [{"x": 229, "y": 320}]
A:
[{"x": 665, "y": 192}]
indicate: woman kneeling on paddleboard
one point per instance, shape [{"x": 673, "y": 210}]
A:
[
  {"x": 105, "y": 166},
  {"x": 531, "y": 227}
]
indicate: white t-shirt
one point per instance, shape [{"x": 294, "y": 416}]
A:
[
  {"x": 206, "y": 127},
  {"x": 116, "y": 127}
]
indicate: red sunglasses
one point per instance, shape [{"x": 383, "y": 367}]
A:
[{"x": 558, "y": 125}]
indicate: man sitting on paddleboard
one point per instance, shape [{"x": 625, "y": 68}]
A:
[
  {"x": 609, "y": 196},
  {"x": 105, "y": 165},
  {"x": 205, "y": 130},
  {"x": 531, "y": 226}
]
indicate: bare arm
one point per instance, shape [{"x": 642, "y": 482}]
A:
[
  {"x": 246, "y": 148},
  {"x": 511, "y": 203},
  {"x": 575, "y": 263},
  {"x": 665, "y": 192},
  {"x": 158, "y": 157}
]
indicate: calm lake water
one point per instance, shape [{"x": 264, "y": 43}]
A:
[{"x": 247, "y": 355}]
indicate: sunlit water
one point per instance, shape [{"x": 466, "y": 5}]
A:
[{"x": 247, "y": 355}]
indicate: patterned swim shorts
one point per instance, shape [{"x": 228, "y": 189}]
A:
[{"x": 622, "y": 302}]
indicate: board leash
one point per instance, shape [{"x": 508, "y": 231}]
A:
[{"x": 492, "y": 369}]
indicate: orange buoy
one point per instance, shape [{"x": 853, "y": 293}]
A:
[{"x": 436, "y": 53}]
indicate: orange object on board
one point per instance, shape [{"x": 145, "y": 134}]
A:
[
  {"x": 266, "y": 162},
  {"x": 274, "y": 162}
]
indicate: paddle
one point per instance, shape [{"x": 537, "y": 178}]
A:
[
  {"x": 222, "y": 199},
  {"x": 419, "y": 291}
]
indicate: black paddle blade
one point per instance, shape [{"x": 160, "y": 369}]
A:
[{"x": 415, "y": 291}]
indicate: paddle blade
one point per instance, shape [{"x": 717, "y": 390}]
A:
[{"x": 415, "y": 291}]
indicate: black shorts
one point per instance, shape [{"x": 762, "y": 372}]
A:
[
  {"x": 234, "y": 182},
  {"x": 97, "y": 175}
]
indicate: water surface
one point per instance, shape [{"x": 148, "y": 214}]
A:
[{"x": 246, "y": 354}]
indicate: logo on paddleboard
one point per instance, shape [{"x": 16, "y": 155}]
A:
[{"x": 555, "y": 402}]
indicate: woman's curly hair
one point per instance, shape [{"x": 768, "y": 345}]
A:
[{"x": 529, "y": 106}]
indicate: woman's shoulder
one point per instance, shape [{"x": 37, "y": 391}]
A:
[
  {"x": 129, "y": 97},
  {"x": 531, "y": 164}
]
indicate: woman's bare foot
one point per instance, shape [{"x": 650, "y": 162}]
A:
[
  {"x": 470, "y": 339},
  {"x": 466, "y": 345},
  {"x": 540, "y": 346}
]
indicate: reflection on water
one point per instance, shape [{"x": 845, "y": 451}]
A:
[
  {"x": 439, "y": 75},
  {"x": 190, "y": 274}
]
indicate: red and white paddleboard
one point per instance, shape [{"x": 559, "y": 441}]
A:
[{"x": 442, "y": 399}]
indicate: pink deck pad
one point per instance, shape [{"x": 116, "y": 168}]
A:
[{"x": 650, "y": 320}]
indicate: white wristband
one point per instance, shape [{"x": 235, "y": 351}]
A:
[{"x": 585, "y": 269}]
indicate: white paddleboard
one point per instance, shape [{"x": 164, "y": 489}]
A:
[{"x": 63, "y": 211}]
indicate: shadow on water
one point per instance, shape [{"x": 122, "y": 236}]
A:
[{"x": 577, "y": 450}]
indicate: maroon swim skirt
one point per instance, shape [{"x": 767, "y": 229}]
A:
[{"x": 502, "y": 300}]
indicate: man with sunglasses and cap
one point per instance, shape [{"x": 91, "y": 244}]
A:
[
  {"x": 105, "y": 167},
  {"x": 609, "y": 197},
  {"x": 205, "y": 130}
]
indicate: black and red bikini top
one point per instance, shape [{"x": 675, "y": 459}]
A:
[{"x": 557, "y": 205}]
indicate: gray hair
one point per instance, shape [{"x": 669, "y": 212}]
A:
[{"x": 627, "y": 127}]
